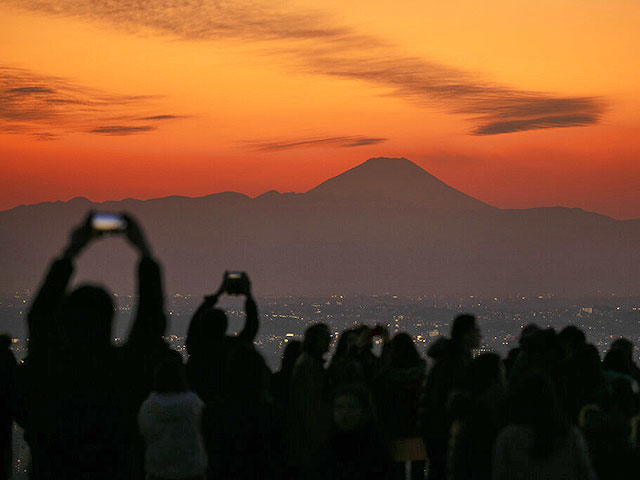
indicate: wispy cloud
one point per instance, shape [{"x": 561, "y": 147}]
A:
[
  {"x": 122, "y": 129},
  {"x": 337, "y": 142},
  {"x": 45, "y": 136},
  {"x": 317, "y": 45},
  {"x": 32, "y": 104},
  {"x": 162, "y": 117}
]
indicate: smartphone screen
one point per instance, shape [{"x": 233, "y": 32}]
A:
[{"x": 108, "y": 222}]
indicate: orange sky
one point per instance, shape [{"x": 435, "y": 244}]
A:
[{"x": 518, "y": 103}]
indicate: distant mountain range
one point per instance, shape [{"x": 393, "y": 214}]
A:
[{"x": 386, "y": 225}]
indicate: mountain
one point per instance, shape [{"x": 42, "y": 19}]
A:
[
  {"x": 386, "y": 225},
  {"x": 396, "y": 180}
]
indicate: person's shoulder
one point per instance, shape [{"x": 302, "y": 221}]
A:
[{"x": 193, "y": 399}]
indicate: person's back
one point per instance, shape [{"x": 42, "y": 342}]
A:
[
  {"x": 76, "y": 416},
  {"x": 478, "y": 412},
  {"x": 539, "y": 442},
  {"x": 513, "y": 459},
  {"x": 444, "y": 376},
  {"x": 308, "y": 417},
  {"x": 397, "y": 389},
  {"x": 239, "y": 427},
  {"x": 170, "y": 421},
  {"x": 209, "y": 346}
]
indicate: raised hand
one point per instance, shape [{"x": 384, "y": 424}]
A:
[
  {"x": 136, "y": 236},
  {"x": 80, "y": 237}
]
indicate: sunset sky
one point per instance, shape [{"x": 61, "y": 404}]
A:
[{"x": 517, "y": 103}]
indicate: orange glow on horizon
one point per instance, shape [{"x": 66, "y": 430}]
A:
[{"x": 108, "y": 109}]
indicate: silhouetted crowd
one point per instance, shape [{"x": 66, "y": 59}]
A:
[{"x": 92, "y": 410}]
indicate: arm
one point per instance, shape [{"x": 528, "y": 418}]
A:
[
  {"x": 194, "y": 334},
  {"x": 251, "y": 325},
  {"x": 150, "y": 322},
  {"x": 40, "y": 319}
]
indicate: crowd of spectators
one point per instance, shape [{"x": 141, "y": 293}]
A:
[{"x": 91, "y": 410}]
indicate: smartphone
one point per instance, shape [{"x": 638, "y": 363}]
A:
[
  {"x": 235, "y": 282},
  {"x": 108, "y": 222}
]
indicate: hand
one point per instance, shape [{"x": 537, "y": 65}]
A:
[
  {"x": 223, "y": 286},
  {"x": 80, "y": 237},
  {"x": 245, "y": 286},
  {"x": 135, "y": 235}
]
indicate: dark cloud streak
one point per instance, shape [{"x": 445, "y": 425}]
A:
[
  {"x": 30, "y": 103},
  {"x": 535, "y": 123},
  {"x": 337, "y": 142},
  {"x": 317, "y": 46},
  {"x": 122, "y": 129}
]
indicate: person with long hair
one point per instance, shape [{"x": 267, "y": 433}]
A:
[{"x": 539, "y": 442}]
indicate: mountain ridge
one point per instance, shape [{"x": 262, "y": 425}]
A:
[
  {"x": 325, "y": 189},
  {"x": 370, "y": 243}
]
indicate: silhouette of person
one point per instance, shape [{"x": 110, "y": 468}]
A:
[
  {"x": 626, "y": 346},
  {"x": 309, "y": 416},
  {"x": 345, "y": 367},
  {"x": 207, "y": 343},
  {"x": 397, "y": 393},
  {"x": 539, "y": 442},
  {"x": 239, "y": 425},
  {"x": 82, "y": 392},
  {"x": 281, "y": 380},
  {"x": 170, "y": 420},
  {"x": 355, "y": 449},
  {"x": 452, "y": 357},
  {"x": 8, "y": 404},
  {"x": 478, "y": 410}
]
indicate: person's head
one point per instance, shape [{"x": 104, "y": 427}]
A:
[
  {"x": 87, "y": 318},
  {"x": 625, "y": 345},
  {"x": 617, "y": 360},
  {"x": 527, "y": 333},
  {"x": 543, "y": 343},
  {"x": 291, "y": 353},
  {"x": 403, "y": 351},
  {"x": 169, "y": 376},
  {"x": 214, "y": 324},
  {"x": 346, "y": 344},
  {"x": 316, "y": 340},
  {"x": 571, "y": 339},
  {"x": 353, "y": 408},
  {"x": 465, "y": 332}
]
